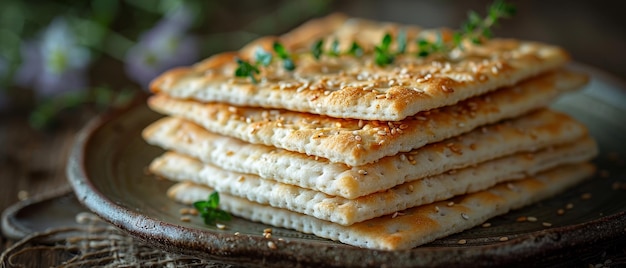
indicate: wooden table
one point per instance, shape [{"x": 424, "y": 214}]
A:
[{"x": 32, "y": 162}]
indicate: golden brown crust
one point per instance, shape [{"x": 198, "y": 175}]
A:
[
  {"x": 356, "y": 142},
  {"x": 327, "y": 86}
]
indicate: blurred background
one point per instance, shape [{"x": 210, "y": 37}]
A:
[{"x": 59, "y": 54}]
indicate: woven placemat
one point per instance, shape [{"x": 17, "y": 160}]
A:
[{"x": 92, "y": 243}]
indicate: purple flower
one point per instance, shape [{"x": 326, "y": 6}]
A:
[
  {"x": 165, "y": 46},
  {"x": 54, "y": 63}
]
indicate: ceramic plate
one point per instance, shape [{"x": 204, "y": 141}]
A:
[{"x": 107, "y": 170}]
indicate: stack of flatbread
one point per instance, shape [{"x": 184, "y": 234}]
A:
[{"x": 384, "y": 157}]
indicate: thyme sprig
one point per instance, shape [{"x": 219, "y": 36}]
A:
[
  {"x": 209, "y": 209},
  {"x": 476, "y": 29}
]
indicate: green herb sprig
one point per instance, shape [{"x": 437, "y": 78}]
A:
[
  {"x": 263, "y": 58},
  {"x": 209, "y": 209},
  {"x": 282, "y": 53},
  {"x": 246, "y": 69},
  {"x": 382, "y": 53},
  {"x": 476, "y": 29}
]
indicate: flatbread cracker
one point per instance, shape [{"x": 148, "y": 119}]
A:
[
  {"x": 409, "y": 228},
  {"x": 386, "y": 201},
  {"x": 354, "y": 86},
  {"x": 357, "y": 142},
  {"x": 524, "y": 134}
]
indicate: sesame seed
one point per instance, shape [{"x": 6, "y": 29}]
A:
[
  {"x": 396, "y": 214},
  {"x": 271, "y": 245},
  {"x": 462, "y": 242},
  {"x": 267, "y": 235},
  {"x": 362, "y": 172},
  {"x": 267, "y": 230},
  {"x": 546, "y": 224},
  {"x": 486, "y": 224},
  {"x": 504, "y": 238},
  {"x": 585, "y": 196},
  {"x": 569, "y": 206},
  {"x": 185, "y": 219},
  {"x": 451, "y": 203},
  {"x": 357, "y": 138},
  {"x": 464, "y": 216},
  {"x": 437, "y": 209},
  {"x": 560, "y": 211},
  {"x": 220, "y": 226},
  {"x": 531, "y": 219},
  {"x": 511, "y": 186},
  {"x": 521, "y": 219}
]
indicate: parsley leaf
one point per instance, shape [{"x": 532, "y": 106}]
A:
[
  {"x": 284, "y": 55},
  {"x": 355, "y": 49},
  {"x": 261, "y": 56},
  {"x": 245, "y": 69},
  {"x": 317, "y": 49},
  {"x": 334, "y": 49},
  {"x": 209, "y": 210},
  {"x": 382, "y": 55}
]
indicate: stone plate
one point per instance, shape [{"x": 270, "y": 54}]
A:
[{"x": 107, "y": 170}]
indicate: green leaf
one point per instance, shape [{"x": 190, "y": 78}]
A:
[
  {"x": 282, "y": 53},
  {"x": 245, "y": 69},
  {"x": 317, "y": 49},
  {"x": 214, "y": 200},
  {"x": 261, "y": 56},
  {"x": 401, "y": 41},
  {"x": 200, "y": 205},
  {"x": 386, "y": 42},
  {"x": 424, "y": 47},
  {"x": 280, "y": 50},
  {"x": 382, "y": 56},
  {"x": 209, "y": 209},
  {"x": 334, "y": 48},
  {"x": 288, "y": 64},
  {"x": 355, "y": 49}
]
